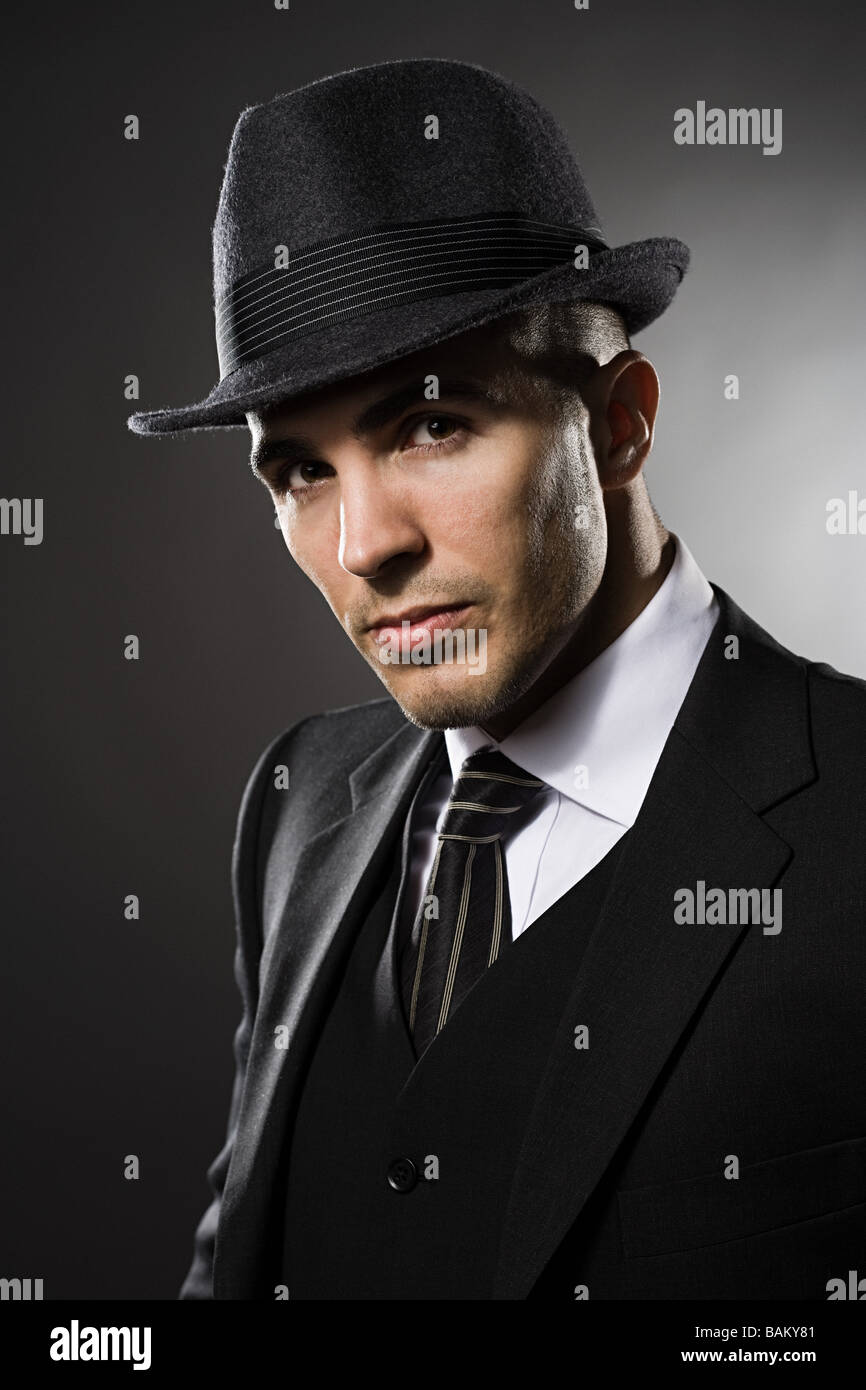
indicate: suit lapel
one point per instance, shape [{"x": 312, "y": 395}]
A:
[
  {"x": 738, "y": 746},
  {"x": 320, "y": 913}
]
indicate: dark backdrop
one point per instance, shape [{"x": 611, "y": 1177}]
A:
[{"x": 124, "y": 777}]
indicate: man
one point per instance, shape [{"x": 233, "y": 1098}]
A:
[{"x": 561, "y": 1002}]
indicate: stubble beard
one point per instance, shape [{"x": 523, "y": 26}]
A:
[{"x": 557, "y": 578}]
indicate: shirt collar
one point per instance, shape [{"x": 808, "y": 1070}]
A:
[{"x": 614, "y": 717}]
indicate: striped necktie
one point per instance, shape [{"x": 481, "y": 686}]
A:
[{"x": 465, "y": 915}]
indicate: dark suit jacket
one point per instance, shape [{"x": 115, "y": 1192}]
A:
[{"x": 711, "y": 1040}]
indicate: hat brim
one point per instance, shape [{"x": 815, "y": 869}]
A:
[{"x": 640, "y": 279}]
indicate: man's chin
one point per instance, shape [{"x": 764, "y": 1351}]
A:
[{"x": 439, "y": 699}]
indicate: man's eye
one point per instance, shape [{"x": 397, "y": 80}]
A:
[
  {"x": 298, "y": 477},
  {"x": 432, "y": 431},
  {"x": 432, "y": 434}
]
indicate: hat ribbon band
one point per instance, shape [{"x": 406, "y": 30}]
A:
[{"x": 402, "y": 263}]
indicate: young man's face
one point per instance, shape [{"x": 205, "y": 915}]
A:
[{"x": 478, "y": 512}]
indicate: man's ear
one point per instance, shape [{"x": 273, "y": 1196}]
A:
[{"x": 624, "y": 404}]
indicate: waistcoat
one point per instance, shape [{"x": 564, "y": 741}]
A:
[{"x": 398, "y": 1168}]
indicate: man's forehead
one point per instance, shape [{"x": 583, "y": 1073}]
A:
[{"x": 481, "y": 355}]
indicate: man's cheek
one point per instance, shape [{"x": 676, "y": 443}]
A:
[
  {"x": 289, "y": 530},
  {"x": 458, "y": 523},
  {"x": 476, "y": 522}
]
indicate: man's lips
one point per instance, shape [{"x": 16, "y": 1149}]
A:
[{"x": 421, "y": 620}]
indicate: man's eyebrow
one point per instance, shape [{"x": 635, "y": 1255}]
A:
[
  {"x": 382, "y": 412},
  {"x": 294, "y": 449},
  {"x": 299, "y": 448}
]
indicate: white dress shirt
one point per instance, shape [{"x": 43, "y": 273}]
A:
[{"x": 595, "y": 742}]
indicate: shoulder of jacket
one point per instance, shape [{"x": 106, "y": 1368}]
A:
[
  {"x": 837, "y": 683},
  {"x": 334, "y": 738},
  {"x": 838, "y": 703}
]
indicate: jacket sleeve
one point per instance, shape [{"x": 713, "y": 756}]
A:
[{"x": 245, "y": 893}]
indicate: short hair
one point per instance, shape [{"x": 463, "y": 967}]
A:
[
  {"x": 566, "y": 342},
  {"x": 578, "y": 326}
]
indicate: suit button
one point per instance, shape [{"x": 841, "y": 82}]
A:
[{"x": 402, "y": 1174}]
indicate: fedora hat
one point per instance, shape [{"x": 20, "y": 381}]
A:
[{"x": 387, "y": 208}]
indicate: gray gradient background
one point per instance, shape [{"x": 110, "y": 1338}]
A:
[{"x": 125, "y": 777}]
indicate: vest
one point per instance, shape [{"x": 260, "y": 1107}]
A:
[{"x": 398, "y": 1169}]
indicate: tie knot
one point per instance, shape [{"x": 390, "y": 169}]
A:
[{"x": 488, "y": 792}]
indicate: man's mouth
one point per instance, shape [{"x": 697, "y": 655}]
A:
[{"x": 390, "y": 627}]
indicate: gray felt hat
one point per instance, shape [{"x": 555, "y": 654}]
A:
[{"x": 387, "y": 208}]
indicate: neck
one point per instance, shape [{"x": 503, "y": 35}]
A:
[{"x": 639, "y": 556}]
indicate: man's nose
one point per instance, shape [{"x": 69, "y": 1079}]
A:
[{"x": 377, "y": 523}]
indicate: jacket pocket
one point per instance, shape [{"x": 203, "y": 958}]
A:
[{"x": 667, "y": 1217}]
